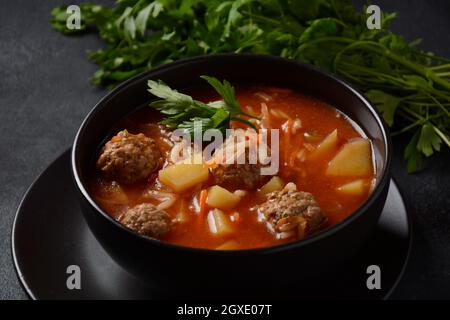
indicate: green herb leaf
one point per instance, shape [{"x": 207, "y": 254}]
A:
[
  {"x": 386, "y": 103},
  {"x": 183, "y": 112},
  {"x": 227, "y": 92},
  {"x": 220, "y": 120},
  {"x": 319, "y": 28},
  {"x": 153, "y": 10},
  {"x": 412, "y": 155},
  {"x": 168, "y": 95},
  {"x": 429, "y": 141}
]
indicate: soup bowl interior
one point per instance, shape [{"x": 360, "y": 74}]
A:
[{"x": 183, "y": 267}]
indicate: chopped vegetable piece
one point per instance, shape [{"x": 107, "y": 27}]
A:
[
  {"x": 274, "y": 184},
  {"x": 219, "y": 223},
  {"x": 183, "y": 176},
  {"x": 202, "y": 202},
  {"x": 221, "y": 198},
  {"x": 326, "y": 147},
  {"x": 354, "y": 188},
  {"x": 354, "y": 159}
]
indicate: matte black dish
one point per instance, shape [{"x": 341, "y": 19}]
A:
[
  {"x": 49, "y": 234},
  {"x": 176, "y": 266}
]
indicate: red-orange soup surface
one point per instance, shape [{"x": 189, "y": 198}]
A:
[{"x": 313, "y": 121}]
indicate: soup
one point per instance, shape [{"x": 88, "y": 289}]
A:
[{"x": 325, "y": 173}]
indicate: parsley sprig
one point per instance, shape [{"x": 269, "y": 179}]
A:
[
  {"x": 411, "y": 87},
  {"x": 183, "y": 112}
]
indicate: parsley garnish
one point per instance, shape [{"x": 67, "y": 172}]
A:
[{"x": 183, "y": 111}]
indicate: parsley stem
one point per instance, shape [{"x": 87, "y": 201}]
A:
[
  {"x": 246, "y": 122},
  {"x": 427, "y": 103},
  {"x": 380, "y": 49},
  {"x": 407, "y": 128},
  {"x": 324, "y": 39},
  {"x": 423, "y": 120},
  {"x": 262, "y": 18},
  {"x": 414, "y": 114},
  {"x": 443, "y": 66},
  {"x": 444, "y": 137},
  {"x": 418, "y": 68},
  {"x": 430, "y": 56},
  {"x": 250, "y": 115},
  {"x": 439, "y": 104}
]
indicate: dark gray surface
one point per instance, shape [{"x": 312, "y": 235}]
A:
[{"x": 45, "y": 93}]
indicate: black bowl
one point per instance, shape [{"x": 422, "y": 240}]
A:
[{"x": 178, "y": 267}]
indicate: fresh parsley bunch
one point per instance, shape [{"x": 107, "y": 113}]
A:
[{"x": 409, "y": 86}]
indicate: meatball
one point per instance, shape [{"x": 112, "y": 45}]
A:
[
  {"x": 128, "y": 157},
  {"x": 245, "y": 176},
  {"x": 147, "y": 220},
  {"x": 290, "y": 212},
  {"x": 238, "y": 176}
]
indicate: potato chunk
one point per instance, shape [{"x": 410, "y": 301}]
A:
[
  {"x": 354, "y": 159},
  {"x": 354, "y": 188},
  {"x": 221, "y": 198},
  {"x": 327, "y": 146},
  {"x": 219, "y": 223},
  {"x": 183, "y": 176},
  {"x": 274, "y": 184}
]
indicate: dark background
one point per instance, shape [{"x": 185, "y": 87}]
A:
[{"x": 45, "y": 94}]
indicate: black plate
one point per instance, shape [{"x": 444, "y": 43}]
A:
[{"x": 50, "y": 234}]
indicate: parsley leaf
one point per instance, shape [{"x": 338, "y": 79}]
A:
[
  {"x": 428, "y": 140},
  {"x": 386, "y": 103},
  {"x": 412, "y": 154},
  {"x": 227, "y": 92},
  {"x": 183, "y": 112}
]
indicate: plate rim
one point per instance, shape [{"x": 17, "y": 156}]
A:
[
  {"x": 24, "y": 198},
  {"x": 410, "y": 242}
]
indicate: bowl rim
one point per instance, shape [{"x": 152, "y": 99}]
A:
[{"x": 379, "y": 187}]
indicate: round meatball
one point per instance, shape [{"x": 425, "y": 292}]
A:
[
  {"x": 233, "y": 175},
  {"x": 290, "y": 212},
  {"x": 238, "y": 176},
  {"x": 128, "y": 157},
  {"x": 147, "y": 220}
]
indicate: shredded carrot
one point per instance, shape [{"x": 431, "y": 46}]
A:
[
  {"x": 116, "y": 139},
  {"x": 202, "y": 202}
]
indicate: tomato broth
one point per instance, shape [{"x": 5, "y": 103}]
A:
[{"x": 304, "y": 122}]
